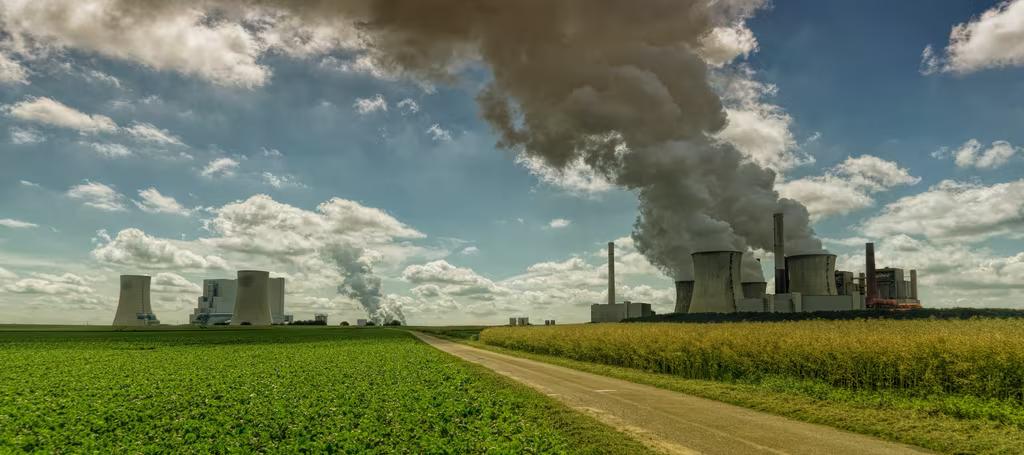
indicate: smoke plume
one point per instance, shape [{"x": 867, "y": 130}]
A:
[
  {"x": 362, "y": 284},
  {"x": 617, "y": 84}
]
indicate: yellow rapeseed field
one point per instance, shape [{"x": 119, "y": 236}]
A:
[{"x": 976, "y": 357}]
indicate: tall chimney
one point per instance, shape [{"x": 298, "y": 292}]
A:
[
  {"x": 611, "y": 273},
  {"x": 913, "y": 284},
  {"x": 869, "y": 269},
  {"x": 780, "y": 256}
]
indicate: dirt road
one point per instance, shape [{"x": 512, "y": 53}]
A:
[{"x": 670, "y": 421}]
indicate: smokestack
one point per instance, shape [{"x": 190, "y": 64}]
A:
[
  {"x": 780, "y": 256},
  {"x": 611, "y": 273},
  {"x": 869, "y": 269},
  {"x": 913, "y": 284}
]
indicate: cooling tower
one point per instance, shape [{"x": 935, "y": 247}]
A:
[
  {"x": 754, "y": 289},
  {"x": 275, "y": 292},
  {"x": 252, "y": 305},
  {"x": 812, "y": 274},
  {"x": 133, "y": 303},
  {"x": 684, "y": 295},
  {"x": 716, "y": 286}
]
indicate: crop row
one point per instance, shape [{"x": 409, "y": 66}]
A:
[{"x": 977, "y": 357}]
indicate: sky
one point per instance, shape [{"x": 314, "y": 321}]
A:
[{"x": 370, "y": 167}]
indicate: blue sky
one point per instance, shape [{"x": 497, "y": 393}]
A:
[{"x": 123, "y": 157}]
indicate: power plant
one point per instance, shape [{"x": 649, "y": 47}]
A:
[
  {"x": 133, "y": 307},
  {"x": 803, "y": 283},
  {"x": 217, "y": 304},
  {"x": 252, "y": 299}
]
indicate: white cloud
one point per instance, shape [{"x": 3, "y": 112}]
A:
[
  {"x": 154, "y": 202},
  {"x": 722, "y": 45},
  {"x": 993, "y": 40},
  {"x": 22, "y": 136},
  {"x": 954, "y": 211},
  {"x": 224, "y": 167},
  {"x": 576, "y": 178},
  {"x": 46, "y": 284},
  {"x": 408, "y": 106},
  {"x": 110, "y": 150},
  {"x": 846, "y": 187},
  {"x": 149, "y": 133},
  {"x": 470, "y": 251},
  {"x": 361, "y": 64},
  {"x": 559, "y": 223},
  {"x": 28, "y": 183},
  {"x": 441, "y": 278},
  {"x": 51, "y": 112},
  {"x": 971, "y": 155},
  {"x": 761, "y": 131},
  {"x": 99, "y": 76},
  {"x": 166, "y": 282},
  {"x": 272, "y": 153},
  {"x": 11, "y": 72},
  {"x": 134, "y": 248},
  {"x": 99, "y": 196},
  {"x": 7, "y": 274},
  {"x": 281, "y": 181},
  {"x": 166, "y": 37},
  {"x": 16, "y": 224},
  {"x": 369, "y": 105},
  {"x": 439, "y": 134}
]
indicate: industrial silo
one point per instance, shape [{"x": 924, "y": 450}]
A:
[
  {"x": 133, "y": 306},
  {"x": 684, "y": 295},
  {"x": 716, "y": 286},
  {"x": 812, "y": 274},
  {"x": 754, "y": 289},
  {"x": 252, "y": 303}
]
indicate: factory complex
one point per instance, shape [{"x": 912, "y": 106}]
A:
[
  {"x": 252, "y": 299},
  {"x": 803, "y": 283}
]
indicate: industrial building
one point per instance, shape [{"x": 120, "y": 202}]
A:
[
  {"x": 133, "y": 307},
  {"x": 803, "y": 283},
  {"x": 217, "y": 305},
  {"x": 615, "y": 312}
]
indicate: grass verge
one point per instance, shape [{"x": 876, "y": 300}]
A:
[{"x": 946, "y": 424}]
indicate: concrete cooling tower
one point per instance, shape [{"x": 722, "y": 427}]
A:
[
  {"x": 684, "y": 295},
  {"x": 133, "y": 306},
  {"x": 812, "y": 274},
  {"x": 716, "y": 286},
  {"x": 252, "y": 303},
  {"x": 754, "y": 289}
]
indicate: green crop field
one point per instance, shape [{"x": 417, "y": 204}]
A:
[
  {"x": 955, "y": 386},
  {"x": 274, "y": 390}
]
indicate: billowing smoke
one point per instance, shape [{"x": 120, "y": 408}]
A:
[
  {"x": 617, "y": 84},
  {"x": 362, "y": 284}
]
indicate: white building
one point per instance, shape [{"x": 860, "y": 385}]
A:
[{"x": 217, "y": 303}]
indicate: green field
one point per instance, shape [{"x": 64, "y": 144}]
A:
[
  {"x": 949, "y": 385},
  {"x": 273, "y": 390}
]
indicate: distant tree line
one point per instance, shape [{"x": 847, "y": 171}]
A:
[
  {"x": 923, "y": 313},
  {"x": 309, "y": 322}
]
